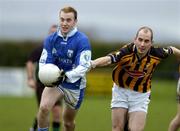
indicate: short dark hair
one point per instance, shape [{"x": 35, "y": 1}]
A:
[
  {"x": 69, "y": 9},
  {"x": 146, "y": 29}
]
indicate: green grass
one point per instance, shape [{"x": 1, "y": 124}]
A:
[
  {"x": 95, "y": 114},
  {"x": 17, "y": 113},
  {"x": 163, "y": 105}
]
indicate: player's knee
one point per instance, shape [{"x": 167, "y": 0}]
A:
[
  {"x": 117, "y": 128},
  {"x": 44, "y": 109},
  {"x": 69, "y": 125}
]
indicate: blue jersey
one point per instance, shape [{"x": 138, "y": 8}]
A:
[{"x": 72, "y": 54}]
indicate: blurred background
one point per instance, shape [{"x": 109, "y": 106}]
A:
[{"x": 109, "y": 24}]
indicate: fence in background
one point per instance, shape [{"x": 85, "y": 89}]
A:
[{"x": 13, "y": 81}]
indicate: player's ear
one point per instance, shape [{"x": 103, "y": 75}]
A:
[{"x": 76, "y": 20}]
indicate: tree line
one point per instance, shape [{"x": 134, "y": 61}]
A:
[{"x": 15, "y": 54}]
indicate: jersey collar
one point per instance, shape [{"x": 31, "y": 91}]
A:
[{"x": 71, "y": 33}]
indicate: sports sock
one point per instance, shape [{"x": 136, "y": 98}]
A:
[
  {"x": 43, "y": 129},
  {"x": 56, "y": 126}
]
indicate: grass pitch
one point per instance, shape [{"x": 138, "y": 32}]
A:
[{"x": 17, "y": 113}]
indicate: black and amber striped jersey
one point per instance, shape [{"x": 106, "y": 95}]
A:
[{"x": 134, "y": 72}]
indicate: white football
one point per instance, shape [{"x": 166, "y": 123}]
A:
[{"x": 49, "y": 74}]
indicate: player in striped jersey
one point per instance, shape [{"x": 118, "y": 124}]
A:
[{"x": 135, "y": 64}]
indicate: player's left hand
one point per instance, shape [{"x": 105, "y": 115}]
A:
[{"x": 61, "y": 77}]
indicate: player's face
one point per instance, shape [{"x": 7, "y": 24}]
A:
[
  {"x": 67, "y": 22},
  {"x": 143, "y": 42}
]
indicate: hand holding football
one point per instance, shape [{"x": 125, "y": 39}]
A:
[{"x": 50, "y": 75}]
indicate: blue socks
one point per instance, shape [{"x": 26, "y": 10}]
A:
[{"x": 43, "y": 129}]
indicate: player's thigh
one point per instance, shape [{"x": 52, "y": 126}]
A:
[
  {"x": 119, "y": 117},
  {"x": 50, "y": 96},
  {"x": 137, "y": 120}
]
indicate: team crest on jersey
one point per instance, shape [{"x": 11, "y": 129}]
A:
[
  {"x": 70, "y": 53},
  {"x": 86, "y": 57},
  {"x": 54, "y": 51},
  {"x": 136, "y": 73}
]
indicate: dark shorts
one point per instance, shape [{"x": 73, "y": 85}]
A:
[{"x": 39, "y": 90}]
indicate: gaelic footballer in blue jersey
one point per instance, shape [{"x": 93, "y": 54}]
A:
[
  {"x": 70, "y": 50},
  {"x": 72, "y": 54}
]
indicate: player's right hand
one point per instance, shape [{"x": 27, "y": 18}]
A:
[{"x": 31, "y": 83}]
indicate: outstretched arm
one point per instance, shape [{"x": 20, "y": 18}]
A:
[
  {"x": 176, "y": 51},
  {"x": 102, "y": 61}
]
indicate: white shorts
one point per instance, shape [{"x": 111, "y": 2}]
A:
[
  {"x": 72, "y": 98},
  {"x": 129, "y": 99}
]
